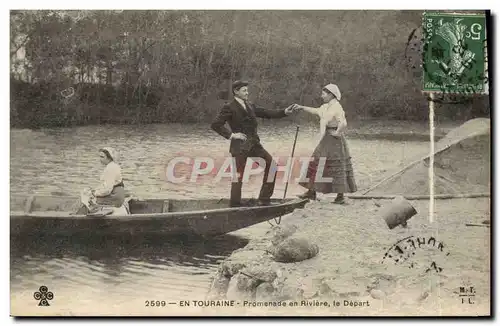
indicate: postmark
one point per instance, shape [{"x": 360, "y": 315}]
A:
[
  {"x": 454, "y": 57},
  {"x": 405, "y": 251},
  {"x": 413, "y": 52}
]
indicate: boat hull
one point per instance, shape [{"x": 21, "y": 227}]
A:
[{"x": 208, "y": 218}]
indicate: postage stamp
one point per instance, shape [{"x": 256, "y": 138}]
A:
[
  {"x": 454, "y": 56},
  {"x": 249, "y": 163}
]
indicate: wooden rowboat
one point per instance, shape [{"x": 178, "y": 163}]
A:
[{"x": 52, "y": 215}]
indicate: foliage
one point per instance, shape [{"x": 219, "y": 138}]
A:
[{"x": 173, "y": 66}]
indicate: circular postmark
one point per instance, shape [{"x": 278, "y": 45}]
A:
[
  {"x": 417, "y": 253},
  {"x": 413, "y": 52}
]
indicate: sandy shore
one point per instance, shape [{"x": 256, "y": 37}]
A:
[{"x": 350, "y": 274}]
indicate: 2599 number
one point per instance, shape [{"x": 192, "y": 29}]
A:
[{"x": 155, "y": 303}]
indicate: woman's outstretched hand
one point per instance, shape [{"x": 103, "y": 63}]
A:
[
  {"x": 292, "y": 108},
  {"x": 289, "y": 110}
]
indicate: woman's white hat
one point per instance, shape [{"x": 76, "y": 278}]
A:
[
  {"x": 334, "y": 89},
  {"x": 111, "y": 152}
]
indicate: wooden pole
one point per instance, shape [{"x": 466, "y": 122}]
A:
[
  {"x": 431, "y": 158},
  {"x": 293, "y": 151},
  {"x": 288, "y": 173},
  {"x": 422, "y": 197}
]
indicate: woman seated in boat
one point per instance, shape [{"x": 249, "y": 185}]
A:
[{"x": 111, "y": 191}]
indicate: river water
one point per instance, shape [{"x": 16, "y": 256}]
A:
[{"x": 87, "y": 271}]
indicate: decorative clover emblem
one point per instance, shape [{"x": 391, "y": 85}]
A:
[{"x": 43, "y": 295}]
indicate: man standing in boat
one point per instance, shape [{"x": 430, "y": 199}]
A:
[{"x": 241, "y": 116}]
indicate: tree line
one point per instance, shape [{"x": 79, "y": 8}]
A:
[{"x": 88, "y": 67}]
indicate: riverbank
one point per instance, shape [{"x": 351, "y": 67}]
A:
[
  {"x": 397, "y": 130},
  {"x": 350, "y": 274}
]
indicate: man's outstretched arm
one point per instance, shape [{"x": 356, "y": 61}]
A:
[{"x": 269, "y": 114}]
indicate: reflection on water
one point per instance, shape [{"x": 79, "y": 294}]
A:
[
  {"x": 178, "y": 267},
  {"x": 64, "y": 161}
]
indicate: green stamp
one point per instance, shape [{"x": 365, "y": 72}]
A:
[{"x": 454, "y": 54}]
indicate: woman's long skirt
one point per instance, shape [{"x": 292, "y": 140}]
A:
[
  {"x": 116, "y": 198},
  {"x": 331, "y": 159}
]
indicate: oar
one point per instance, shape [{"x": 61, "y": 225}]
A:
[{"x": 288, "y": 175}]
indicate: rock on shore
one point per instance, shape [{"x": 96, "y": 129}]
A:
[{"x": 336, "y": 252}]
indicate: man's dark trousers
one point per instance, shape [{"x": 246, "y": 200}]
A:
[
  {"x": 244, "y": 121},
  {"x": 267, "y": 188}
]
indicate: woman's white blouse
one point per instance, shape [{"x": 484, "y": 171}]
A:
[
  {"x": 111, "y": 176},
  {"x": 331, "y": 114}
]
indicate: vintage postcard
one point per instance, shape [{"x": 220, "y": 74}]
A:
[{"x": 250, "y": 163}]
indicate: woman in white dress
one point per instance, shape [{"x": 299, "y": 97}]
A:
[
  {"x": 110, "y": 191},
  {"x": 332, "y": 148}
]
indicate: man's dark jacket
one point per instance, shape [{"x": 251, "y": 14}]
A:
[{"x": 244, "y": 121}]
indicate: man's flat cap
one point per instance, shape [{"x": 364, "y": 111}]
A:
[{"x": 239, "y": 84}]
